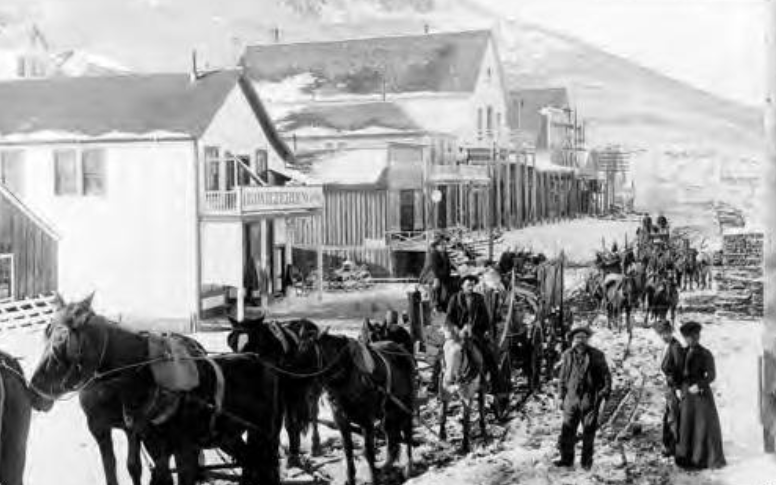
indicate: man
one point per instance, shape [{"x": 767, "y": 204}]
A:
[
  {"x": 585, "y": 382},
  {"x": 672, "y": 367},
  {"x": 468, "y": 313},
  {"x": 436, "y": 273}
]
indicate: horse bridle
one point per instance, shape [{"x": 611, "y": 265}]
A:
[{"x": 77, "y": 366}]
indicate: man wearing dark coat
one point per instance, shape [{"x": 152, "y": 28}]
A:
[
  {"x": 672, "y": 366},
  {"x": 700, "y": 434},
  {"x": 468, "y": 312},
  {"x": 585, "y": 382},
  {"x": 436, "y": 273}
]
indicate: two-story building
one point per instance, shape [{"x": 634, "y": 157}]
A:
[
  {"x": 165, "y": 188},
  {"x": 550, "y": 140},
  {"x": 441, "y": 93}
]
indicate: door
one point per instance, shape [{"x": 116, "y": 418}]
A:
[
  {"x": 407, "y": 210},
  {"x": 442, "y": 208}
]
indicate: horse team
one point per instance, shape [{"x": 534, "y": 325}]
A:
[{"x": 648, "y": 276}]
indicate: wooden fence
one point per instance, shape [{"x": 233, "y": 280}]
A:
[{"x": 30, "y": 312}]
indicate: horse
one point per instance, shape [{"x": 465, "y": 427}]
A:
[
  {"x": 381, "y": 332},
  {"x": 367, "y": 384},
  {"x": 687, "y": 267},
  {"x": 15, "y": 411},
  {"x": 619, "y": 296},
  {"x": 662, "y": 297},
  {"x": 703, "y": 272},
  {"x": 183, "y": 405},
  {"x": 277, "y": 342},
  {"x": 464, "y": 377}
]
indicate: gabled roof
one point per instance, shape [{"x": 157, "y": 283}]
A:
[
  {"x": 349, "y": 168},
  {"x": 524, "y": 109},
  {"x": 126, "y": 104},
  {"x": 442, "y": 62},
  {"x": 8, "y": 195},
  {"x": 353, "y": 117}
]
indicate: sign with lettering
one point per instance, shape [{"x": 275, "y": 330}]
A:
[{"x": 266, "y": 199}]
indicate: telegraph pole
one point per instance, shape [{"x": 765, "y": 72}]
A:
[{"x": 768, "y": 369}]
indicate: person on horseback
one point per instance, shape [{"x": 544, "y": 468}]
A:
[
  {"x": 468, "y": 312},
  {"x": 437, "y": 273},
  {"x": 585, "y": 382}
]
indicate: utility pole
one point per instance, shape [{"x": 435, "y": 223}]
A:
[{"x": 768, "y": 360}]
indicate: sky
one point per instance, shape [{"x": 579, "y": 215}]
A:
[{"x": 716, "y": 45}]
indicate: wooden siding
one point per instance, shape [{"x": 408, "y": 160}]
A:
[
  {"x": 34, "y": 251},
  {"x": 350, "y": 216}
]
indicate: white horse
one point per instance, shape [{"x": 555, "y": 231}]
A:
[{"x": 463, "y": 377}]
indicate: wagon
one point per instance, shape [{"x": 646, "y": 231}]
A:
[{"x": 532, "y": 323}]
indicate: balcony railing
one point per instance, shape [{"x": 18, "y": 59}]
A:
[{"x": 259, "y": 200}]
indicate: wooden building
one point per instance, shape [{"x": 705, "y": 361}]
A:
[{"x": 28, "y": 249}]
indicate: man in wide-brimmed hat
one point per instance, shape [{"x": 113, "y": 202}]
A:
[
  {"x": 672, "y": 366},
  {"x": 585, "y": 382}
]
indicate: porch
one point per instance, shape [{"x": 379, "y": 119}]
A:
[{"x": 263, "y": 200}]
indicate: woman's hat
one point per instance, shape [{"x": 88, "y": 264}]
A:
[
  {"x": 691, "y": 327},
  {"x": 580, "y": 327},
  {"x": 663, "y": 326}
]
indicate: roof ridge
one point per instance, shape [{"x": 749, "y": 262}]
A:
[{"x": 375, "y": 37}]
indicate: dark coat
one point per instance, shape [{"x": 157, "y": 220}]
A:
[
  {"x": 700, "y": 434},
  {"x": 673, "y": 364},
  {"x": 458, "y": 313},
  {"x": 596, "y": 379},
  {"x": 437, "y": 265}
]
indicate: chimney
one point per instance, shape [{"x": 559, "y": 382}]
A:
[
  {"x": 194, "y": 74},
  {"x": 426, "y": 28},
  {"x": 276, "y": 34}
]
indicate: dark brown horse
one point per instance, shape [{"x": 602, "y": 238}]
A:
[
  {"x": 278, "y": 343},
  {"x": 662, "y": 297},
  {"x": 365, "y": 385},
  {"x": 15, "y": 410},
  {"x": 381, "y": 332},
  {"x": 222, "y": 405}
]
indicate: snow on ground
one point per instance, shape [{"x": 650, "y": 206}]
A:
[{"x": 61, "y": 450}]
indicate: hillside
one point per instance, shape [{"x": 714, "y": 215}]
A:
[{"x": 684, "y": 140}]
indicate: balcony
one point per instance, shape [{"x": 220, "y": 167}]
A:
[{"x": 253, "y": 200}]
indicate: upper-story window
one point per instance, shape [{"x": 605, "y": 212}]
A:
[
  {"x": 262, "y": 164},
  {"x": 79, "y": 172},
  {"x": 489, "y": 74},
  {"x": 212, "y": 167},
  {"x": 11, "y": 169},
  {"x": 29, "y": 66},
  {"x": 490, "y": 121},
  {"x": 479, "y": 123}
]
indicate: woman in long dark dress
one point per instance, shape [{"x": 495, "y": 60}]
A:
[{"x": 700, "y": 435}]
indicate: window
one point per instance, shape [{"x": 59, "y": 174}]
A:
[
  {"x": 93, "y": 171},
  {"x": 211, "y": 168},
  {"x": 11, "y": 169},
  {"x": 479, "y": 123},
  {"x": 262, "y": 164},
  {"x": 65, "y": 172},
  {"x": 489, "y": 74},
  {"x": 489, "y": 121},
  {"x": 28, "y": 66},
  {"x": 6, "y": 277},
  {"x": 230, "y": 171},
  {"x": 79, "y": 173}
]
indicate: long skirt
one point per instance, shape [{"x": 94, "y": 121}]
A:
[{"x": 700, "y": 435}]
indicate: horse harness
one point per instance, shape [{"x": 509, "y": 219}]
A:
[{"x": 386, "y": 390}]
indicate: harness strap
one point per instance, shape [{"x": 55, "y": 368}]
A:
[
  {"x": 218, "y": 396},
  {"x": 389, "y": 379}
]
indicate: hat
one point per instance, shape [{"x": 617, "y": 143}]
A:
[
  {"x": 580, "y": 327},
  {"x": 663, "y": 326},
  {"x": 470, "y": 276},
  {"x": 691, "y": 327}
]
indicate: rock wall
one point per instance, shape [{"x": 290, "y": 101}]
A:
[{"x": 740, "y": 280}]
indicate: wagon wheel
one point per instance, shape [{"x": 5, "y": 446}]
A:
[{"x": 502, "y": 392}]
